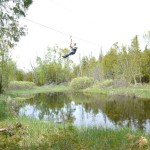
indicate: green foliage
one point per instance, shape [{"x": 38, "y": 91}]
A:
[
  {"x": 12, "y": 136},
  {"x": 6, "y": 107},
  {"x": 3, "y": 108},
  {"x": 51, "y": 70},
  {"x": 66, "y": 138},
  {"x": 81, "y": 83},
  {"x": 135, "y": 60},
  {"x": 10, "y": 33},
  {"x": 11, "y": 11},
  {"x": 40, "y": 135},
  {"x": 28, "y": 76},
  {"x": 105, "y": 83},
  {"x": 19, "y": 75},
  {"x": 29, "y": 133},
  {"x": 18, "y": 85},
  {"x": 127, "y": 64},
  {"x": 110, "y": 62},
  {"x": 120, "y": 83}
]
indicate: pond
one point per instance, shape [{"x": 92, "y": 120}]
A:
[{"x": 88, "y": 110}]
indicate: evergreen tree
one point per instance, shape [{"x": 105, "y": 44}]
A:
[{"x": 110, "y": 62}]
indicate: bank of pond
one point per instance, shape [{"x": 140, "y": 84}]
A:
[{"x": 55, "y": 118}]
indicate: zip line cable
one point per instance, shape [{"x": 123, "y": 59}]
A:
[
  {"x": 46, "y": 26},
  {"x": 66, "y": 34}
]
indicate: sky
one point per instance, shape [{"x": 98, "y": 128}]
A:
[{"x": 93, "y": 25}]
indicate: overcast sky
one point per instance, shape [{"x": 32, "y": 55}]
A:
[{"x": 92, "y": 23}]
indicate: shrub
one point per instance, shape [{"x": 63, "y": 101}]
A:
[
  {"x": 81, "y": 83},
  {"x": 12, "y": 137},
  {"x": 107, "y": 83},
  {"x": 3, "y": 107},
  {"x": 103, "y": 84},
  {"x": 16, "y": 85},
  {"x": 120, "y": 83}
]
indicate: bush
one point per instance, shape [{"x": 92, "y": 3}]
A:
[
  {"x": 16, "y": 85},
  {"x": 81, "y": 83},
  {"x": 120, "y": 83},
  {"x": 3, "y": 112},
  {"x": 107, "y": 83},
  {"x": 12, "y": 137},
  {"x": 103, "y": 84}
]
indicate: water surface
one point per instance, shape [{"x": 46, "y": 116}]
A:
[{"x": 89, "y": 110}]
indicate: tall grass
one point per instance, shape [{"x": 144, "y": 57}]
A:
[
  {"x": 4, "y": 108},
  {"x": 107, "y": 87},
  {"x": 17, "y": 85},
  {"x": 34, "y": 134},
  {"x": 35, "y": 90}
]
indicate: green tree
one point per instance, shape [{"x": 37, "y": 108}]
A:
[
  {"x": 10, "y": 32},
  {"x": 110, "y": 62},
  {"x": 19, "y": 75},
  {"x": 145, "y": 59},
  {"x": 123, "y": 64},
  {"x": 39, "y": 72},
  {"x": 28, "y": 76},
  {"x": 99, "y": 72},
  {"x": 93, "y": 68},
  {"x": 85, "y": 66},
  {"x": 11, "y": 70},
  {"x": 135, "y": 60},
  {"x": 52, "y": 68}
]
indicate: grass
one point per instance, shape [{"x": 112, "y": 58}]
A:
[
  {"x": 141, "y": 91},
  {"x": 35, "y": 90},
  {"x": 34, "y": 134},
  {"x": 3, "y": 109},
  {"x": 106, "y": 87},
  {"x": 15, "y": 85}
]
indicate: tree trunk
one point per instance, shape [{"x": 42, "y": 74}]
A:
[
  {"x": 140, "y": 77},
  {"x": 135, "y": 82},
  {"x": 1, "y": 87}
]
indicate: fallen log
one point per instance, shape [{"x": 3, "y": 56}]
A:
[
  {"x": 18, "y": 125},
  {"x": 3, "y": 129}
]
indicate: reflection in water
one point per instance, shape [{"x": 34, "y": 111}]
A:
[{"x": 89, "y": 110}]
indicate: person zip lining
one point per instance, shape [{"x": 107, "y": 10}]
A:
[{"x": 73, "y": 48}]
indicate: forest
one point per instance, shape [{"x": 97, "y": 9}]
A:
[
  {"x": 129, "y": 64},
  {"x": 125, "y": 63}
]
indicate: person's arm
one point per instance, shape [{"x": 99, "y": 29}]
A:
[{"x": 71, "y": 42}]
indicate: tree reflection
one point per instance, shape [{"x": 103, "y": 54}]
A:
[
  {"x": 52, "y": 106},
  {"x": 127, "y": 111},
  {"x": 118, "y": 110}
]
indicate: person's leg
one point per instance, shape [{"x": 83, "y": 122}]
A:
[
  {"x": 65, "y": 56},
  {"x": 71, "y": 53}
]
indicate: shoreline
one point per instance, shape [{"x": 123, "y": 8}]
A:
[
  {"x": 44, "y": 135},
  {"x": 139, "y": 91}
]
